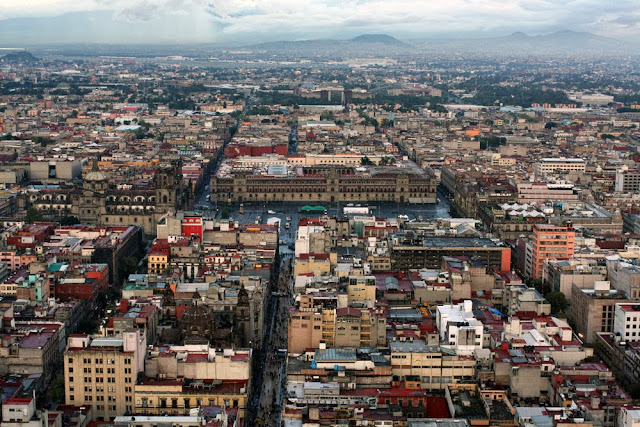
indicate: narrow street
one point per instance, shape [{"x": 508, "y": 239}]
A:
[{"x": 270, "y": 365}]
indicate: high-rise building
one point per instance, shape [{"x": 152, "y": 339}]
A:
[
  {"x": 102, "y": 372},
  {"x": 592, "y": 309},
  {"x": 551, "y": 242}
]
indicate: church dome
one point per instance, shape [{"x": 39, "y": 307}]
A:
[{"x": 95, "y": 174}]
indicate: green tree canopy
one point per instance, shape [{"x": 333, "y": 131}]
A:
[
  {"x": 33, "y": 215},
  {"x": 558, "y": 302}
]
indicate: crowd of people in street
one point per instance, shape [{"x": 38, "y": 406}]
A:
[{"x": 274, "y": 374}]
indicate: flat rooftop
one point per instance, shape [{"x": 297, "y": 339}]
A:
[{"x": 458, "y": 242}]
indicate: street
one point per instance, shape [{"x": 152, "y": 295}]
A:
[{"x": 270, "y": 365}]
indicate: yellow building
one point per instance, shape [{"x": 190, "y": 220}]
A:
[
  {"x": 180, "y": 396},
  {"x": 361, "y": 289},
  {"x": 329, "y": 327},
  {"x": 158, "y": 262},
  {"x": 346, "y": 327},
  {"x": 316, "y": 264},
  {"x": 102, "y": 372},
  {"x": 435, "y": 368}
]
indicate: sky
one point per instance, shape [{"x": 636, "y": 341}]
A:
[{"x": 29, "y": 22}]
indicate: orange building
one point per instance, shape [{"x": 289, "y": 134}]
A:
[{"x": 551, "y": 242}]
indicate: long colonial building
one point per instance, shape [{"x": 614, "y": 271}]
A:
[{"x": 330, "y": 184}]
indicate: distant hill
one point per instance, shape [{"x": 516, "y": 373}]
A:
[
  {"x": 521, "y": 43},
  {"x": 378, "y": 38},
  {"x": 366, "y": 43},
  {"x": 20, "y": 56}
]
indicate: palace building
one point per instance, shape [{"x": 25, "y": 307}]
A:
[{"x": 329, "y": 184}]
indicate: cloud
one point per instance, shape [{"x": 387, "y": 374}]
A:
[{"x": 273, "y": 19}]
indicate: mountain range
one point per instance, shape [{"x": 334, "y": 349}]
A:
[
  {"x": 557, "y": 42},
  {"x": 560, "y": 42},
  {"x": 364, "y": 42}
]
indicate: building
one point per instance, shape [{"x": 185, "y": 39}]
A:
[
  {"x": 622, "y": 356},
  {"x": 428, "y": 253},
  {"x": 627, "y": 181},
  {"x": 629, "y": 416},
  {"x": 181, "y": 378},
  {"x": 164, "y": 420},
  {"x": 31, "y": 348},
  {"x": 558, "y": 165},
  {"x": 362, "y": 290},
  {"x": 551, "y": 242},
  {"x": 330, "y": 185},
  {"x": 459, "y": 329},
  {"x": 519, "y": 297},
  {"x": 314, "y": 325},
  {"x": 435, "y": 368},
  {"x": 100, "y": 201},
  {"x": 592, "y": 309},
  {"x": 480, "y": 406},
  {"x": 102, "y": 245},
  {"x": 21, "y": 412},
  {"x": 102, "y": 372},
  {"x": 626, "y": 323},
  {"x": 562, "y": 275},
  {"x": 55, "y": 169},
  {"x": 624, "y": 277},
  {"x": 535, "y": 192},
  {"x": 179, "y": 397}
]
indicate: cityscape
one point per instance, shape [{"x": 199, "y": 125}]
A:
[{"x": 328, "y": 230}]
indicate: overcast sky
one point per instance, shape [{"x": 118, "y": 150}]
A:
[{"x": 248, "y": 21}]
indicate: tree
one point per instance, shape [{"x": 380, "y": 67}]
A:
[
  {"x": 33, "y": 215},
  {"x": 558, "y": 301},
  {"x": 366, "y": 161},
  {"x": 56, "y": 389},
  {"x": 327, "y": 115},
  {"x": 634, "y": 391},
  {"x": 88, "y": 325},
  {"x": 128, "y": 266},
  {"x": 70, "y": 220},
  {"x": 225, "y": 213}
]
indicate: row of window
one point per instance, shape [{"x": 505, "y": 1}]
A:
[{"x": 127, "y": 361}]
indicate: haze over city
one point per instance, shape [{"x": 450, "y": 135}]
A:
[{"x": 236, "y": 22}]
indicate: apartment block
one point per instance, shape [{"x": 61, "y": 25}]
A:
[
  {"x": 592, "y": 309},
  {"x": 551, "y": 242},
  {"x": 559, "y": 165},
  {"x": 626, "y": 323},
  {"x": 435, "y": 368},
  {"x": 102, "y": 372}
]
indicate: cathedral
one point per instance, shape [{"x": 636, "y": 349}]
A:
[{"x": 135, "y": 201}]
